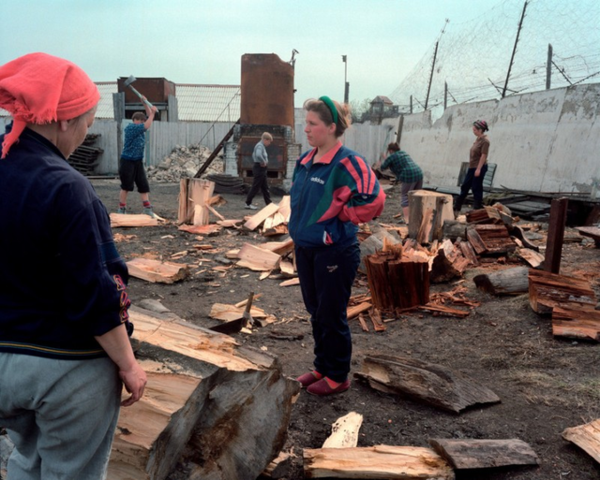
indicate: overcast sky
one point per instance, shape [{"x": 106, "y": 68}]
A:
[{"x": 202, "y": 41}]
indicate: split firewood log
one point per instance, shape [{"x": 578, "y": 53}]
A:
[
  {"x": 468, "y": 454},
  {"x": 206, "y": 393},
  {"x": 433, "y": 384}
]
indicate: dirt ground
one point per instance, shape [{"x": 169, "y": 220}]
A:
[{"x": 545, "y": 384}]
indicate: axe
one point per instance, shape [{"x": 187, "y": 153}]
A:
[{"x": 128, "y": 83}]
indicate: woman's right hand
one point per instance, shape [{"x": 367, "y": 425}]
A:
[{"x": 135, "y": 381}]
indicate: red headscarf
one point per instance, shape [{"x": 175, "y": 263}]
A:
[{"x": 40, "y": 88}]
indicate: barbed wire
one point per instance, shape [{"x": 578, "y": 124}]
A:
[{"x": 473, "y": 57}]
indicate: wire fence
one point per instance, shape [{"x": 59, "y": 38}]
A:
[{"x": 473, "y": 57}]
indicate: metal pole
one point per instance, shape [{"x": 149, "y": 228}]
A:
[
  {"x": 411, "y": 105},
  {"x": 346, "y": 89},
  {"x": 431, "y": 74},
  {"x": 445, "y": 95},
  {"x": 512, "y": 58},
  {"x": 549, "y": 68}
]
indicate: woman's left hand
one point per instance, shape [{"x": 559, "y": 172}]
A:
[{"x": 477, "y": 172}]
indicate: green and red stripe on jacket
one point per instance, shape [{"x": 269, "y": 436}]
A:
[{"x": 329, "y": 198}]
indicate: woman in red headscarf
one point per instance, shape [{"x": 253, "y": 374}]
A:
[
  {"x": 478, "y": 156},
  {"x": 64, "y": 345}
]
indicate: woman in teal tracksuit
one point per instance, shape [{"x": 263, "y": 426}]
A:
[{"x": 333, "y": 190}]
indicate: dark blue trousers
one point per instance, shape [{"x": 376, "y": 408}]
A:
[
  {"x": 326, "y": 277},
  {"x": 471, "y": 182}
]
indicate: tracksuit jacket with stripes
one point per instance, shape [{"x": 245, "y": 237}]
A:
[{"x": 331, "y": 197}]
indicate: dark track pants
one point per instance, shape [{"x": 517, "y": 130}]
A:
[
  {"x": 259, "y": 182},
  {"x": 471, "y": 182},
  {"x": 326, "y": 276}
]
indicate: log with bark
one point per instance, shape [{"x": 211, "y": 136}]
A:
[
  {"x": 448, "y": 263},
  {"x": 433, "y": 384},
  {"x": 453, "y": 230},
  {"x": 548, "y": 290},
  {"x": 397, "y": 280},
  {"x": 378, "y": 462},
  {"x": 490, "y": 239},
  {"x": 467, "y": 454},
  {"x": 227, "y": 404},
  {"x": 586, "y": 437},
  {"x": 510, "y": 281}
]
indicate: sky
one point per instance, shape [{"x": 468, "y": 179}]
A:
[{"x": 202, "y": 41}]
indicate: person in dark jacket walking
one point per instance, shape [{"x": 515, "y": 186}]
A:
[
  {"x": 64, "y": 347},
  {"x": 333, "y": 190},
  {"x": 259, "y": 171}
]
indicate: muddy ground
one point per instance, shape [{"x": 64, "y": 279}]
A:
[{"x": 546, "y": 384}]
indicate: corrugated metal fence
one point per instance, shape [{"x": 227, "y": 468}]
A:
[{"x": 368, "y": 140}]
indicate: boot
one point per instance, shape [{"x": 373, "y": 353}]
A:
[{"x": 458, "y": 203}]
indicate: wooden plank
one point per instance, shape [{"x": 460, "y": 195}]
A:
[
  {"x": 375, "y": 316},
  {"x": 259, "y": 217},
  {"x": 581, "y": 322},
  {"x": 432, "y": 384},
  {"x": 467, "y": 454},
  {"x": 201, "y": 229},
  {"x": 548, "y": 290},
  {"x": 215, "y": 213},
  {"x": 533, "y": 258},
  {"x": 285, "y": 208},
  {"x": 344, "y": 431},
  {"x": 379, "y": 462},
  {"x": 352, "y": 312},
  {"x": 281, "y": 248},
  {"x": 156, "y": 271},
  {"x": 469, "y": 253},
  {"x": 556, "y": 233},
  {"x": 287, "y": 268},
  {"x": 121, "y": 220},
  {"x": 476, "y": 241},
  {"x": 586, "y": 437},
  {"x": 257, "y": 259}
]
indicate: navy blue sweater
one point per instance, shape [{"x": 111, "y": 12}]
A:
[{"x": 62, "y": 281}]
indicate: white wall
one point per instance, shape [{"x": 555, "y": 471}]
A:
[{"x": 546, "y": 141}]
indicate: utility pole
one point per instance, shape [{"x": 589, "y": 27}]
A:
[
  {"x": 549, "y": 68},
  {"x": 512, "y": 58},
  {"x": 346, "y": 84},
  {"x": 431, "y": 74},
  {"x": 433, "y": 63}
]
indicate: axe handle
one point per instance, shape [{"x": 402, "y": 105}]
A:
[{"x": 140, "y": 95}]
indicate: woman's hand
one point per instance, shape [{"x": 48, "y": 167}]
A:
[{"x": 134, "y": 380}]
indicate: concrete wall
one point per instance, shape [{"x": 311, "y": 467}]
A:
[
  {"x": 368, "y": 140},
  {"x": 546, "y": 141}
]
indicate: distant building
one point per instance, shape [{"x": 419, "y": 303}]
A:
[
  {"x": 195, "y": 103},
  {"x": 381, "y": 107}
]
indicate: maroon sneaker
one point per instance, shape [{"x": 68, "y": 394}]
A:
[
  {"x": 309, "y": 378},
  {"x": 322, "y": 388}
]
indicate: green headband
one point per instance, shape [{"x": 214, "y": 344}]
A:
[{"x": 330, "y": 105}]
